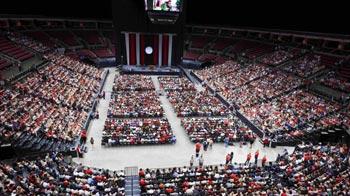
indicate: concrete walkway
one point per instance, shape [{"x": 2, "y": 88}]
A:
[{"x": 158, "y": 156}]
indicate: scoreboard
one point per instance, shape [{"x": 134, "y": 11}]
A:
[{"x": 163, "y": 11}]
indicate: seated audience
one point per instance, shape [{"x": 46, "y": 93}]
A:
[
  {"x": 196, "y": 104},
  {"x": 53, "y": 175},
  {"x": 310, "y": 170},
  {"x": 138, "y": 104},
  {"x": 176, "y": 83},
  {"x": 306, "y": 66},
  {"x": 263, "y": 89},
  {"x": 137, "y": 131},
  {"x": 290, "y": 111},
  {"x": 217, "y": 129},
  {"x": 336, "y": 82},
  {"x": 132, "y": 82}
]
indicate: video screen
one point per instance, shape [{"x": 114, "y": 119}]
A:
[{"x": 163, "y": 5}]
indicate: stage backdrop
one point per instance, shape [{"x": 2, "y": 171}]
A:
[{"x": 160, "y": 48}]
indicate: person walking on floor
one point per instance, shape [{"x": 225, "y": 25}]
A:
[
  {"x": 249, "y": 156},
  {"x": 201, "y": 161},
  {"x": 231, "y": 157},
  {"x": 191, "y": 161},
  {"x": 205, "y": 145},
  {"x": 264, "y": 160},
  {"x": 256, "y": 157},
  {"x": 92, "y": 141},
  {"x": 210, "y": 142},
  {"x": 197, "y": 148},
  {"x": 228, "y": 158}
]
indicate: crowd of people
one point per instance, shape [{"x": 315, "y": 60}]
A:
[
  {"x": 28, "y": 42},
  {"x": 306, "y": 65},
  {"x": 136, "y": 104},
  {"x": 132, "y": 83},
  {"x": 137, "y": 131},
  {"x": 263, "y": 89},
  {"x": 290, "y": 111},
  {"x": 310, "y": 170},
  {"x": 54, "y": 175},
  {"x": 334, "y": 81},
  {"x": 278, "y": 57},
  {"x": 228, "y": 129},
  {"x": 219, "y": 70},
  {"x": 176, "y": 84},
  {"x": 196, "y": 104},
  {"x": 227, "y": 82},
  {"x": 53, "y": 102}
]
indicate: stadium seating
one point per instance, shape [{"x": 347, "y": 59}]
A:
[
  {"x": 91, "y": 37},
  {"x": 104, "y": 52},
  {"x": 10, "y": 49},
  {"x": 34, "y": 112},
  {"x": 309, "y": 170},
  {"x": 66, "y": 37},
  {"x": 53, "y": 175},
  {"x": 42, "y": 37},
  {"x": 199, "y": 41},
  {"x": 4, "y": 63}
]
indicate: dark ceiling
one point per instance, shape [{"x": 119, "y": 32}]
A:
[{"x": 291, "y": 15}]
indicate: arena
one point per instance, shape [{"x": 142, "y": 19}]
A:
[{"x": 162, "y": 103}]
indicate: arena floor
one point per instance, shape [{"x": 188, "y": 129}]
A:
[{"x": 159, "y": 156}]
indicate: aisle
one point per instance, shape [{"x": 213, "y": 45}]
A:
[{"x": 158, "y": 156}]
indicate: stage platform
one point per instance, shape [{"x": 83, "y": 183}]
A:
[{"x": 148, "y": 70}]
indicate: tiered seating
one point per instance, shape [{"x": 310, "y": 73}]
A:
[
  {"x": 222, "y": 43},
  {"x": 334, "y": 81},
  {"x": 104, "y": 52},
  {"x": 66, "y": 37},
  {"x": 263, "y": 89},
  {"x": 344, "y": 71},
  {"x": 91, "y": 37},
  {"x": 110, "y": 35},
  {"x": 47, "y": 110},
  {"x": 258, "y": 51},
  {"x": 290, "y": 111},
  {"x": 227, "y": 82},
  {"x": 29, "y": 42},
  {"x": 196, "y": 104},
  {"x": 199, "y": 41},
  {"x": 87, "y": 53},
  {"x": 42, "y": 37},
  {"x": 10, "y": 49},
  {"x": 191, "y": 55},
  {"x": 219, "y": 70},
  {"x": 278, "y": 57},
  {"x": 217, "y": 129},
  {"x": 310, "y": 170},
  {"x": 53, "y": 175},
  {"x": 137, "y": 132},
  {"x": 243, "y": 45},
  {"x": 4, "y": 63},
  {"x": 207, "y": 57},
  {"x": 310, "y": 64}
]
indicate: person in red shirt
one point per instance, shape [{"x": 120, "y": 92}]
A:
[
  {"x": 263, "y": 162},
  {"x": 256, "y": 157},
  {"x": 249, "y": 156},
  {"x": 141, "y": 173},
  {"x": 198, "y": 148}
]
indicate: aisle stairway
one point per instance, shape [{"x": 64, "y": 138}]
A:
[{"x": 132, "y": 186}]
